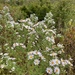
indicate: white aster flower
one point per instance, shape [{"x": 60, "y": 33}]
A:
[
  {"x": 49, "y": 70},
  {"x": 31, "y": 56},
  {"x": 48, "y": 38},
  {"x": 33, "y": 43},
  {"x": 64, "y": 63},
  {"x": 5, "y": 54},
  {"x": 59, "y": 35},
  {"x": 12, "y": 23},
  {"x": 6, "y": 44},
  {"x": 36, "y": 62},
  {"x": 5, "y": 8},
  {"x": 22, "y": 21},
  {"x": 15, "y": 44},
  {"x": 70, "y": 59},
  {"x": 60, "y": 45},
  {"x": 35, "y": 52},
  {"x": 39, "y": 54},
  {"x": 23, "y": 46},
  {"x": 48, "y": 49},
  {"x": 2, "y": 66},
  {"x": 10, "y": 58},
  {"x": 53, "y": 54},
  {"x": 52, "y": 62},
  {"x": 57, "y": 70},
  {"x": 43, "y": 58},
  {"x": 13, "y": 69},
  {"x": 1, "y": 53},
  {"x": 30, "y": 23},
  {"x": 68, "y": 62},
  {"x": 61, "y": 51},
  {"x": 31, "y": 53},
  {"x": 52, "y": 40},
  {"x": 12, "y": 47},
  {"x": 14, "y": 63},
  {"x": 32, "y": 32},
  {"x": 57, "y": 61}
]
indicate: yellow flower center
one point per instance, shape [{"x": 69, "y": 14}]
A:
[
  {"x": 48, "y": 70},
  {"x": 52, "y": 62},
  {"x": 57, "y": 61},
  {"x": 56, "y": 70},
  {"x": 31, "y": 57}
]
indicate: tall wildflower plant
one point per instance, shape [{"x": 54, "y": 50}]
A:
[
  {"x": 31, "y": 43},
  {"x": 44, "y": 55},
  {"x": 7, "y": 62}
]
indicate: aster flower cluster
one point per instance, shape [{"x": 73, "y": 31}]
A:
[
  {"x": 33, "y": 54},
  {"x": 18, "y": 44},
  {"x": 37, "y": 40},
  {"x": 7, "y": 62},
  {"x": 44, "y": 33},
  {"x": 56, "y": 65}
]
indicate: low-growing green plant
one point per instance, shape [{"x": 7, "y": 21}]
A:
[
  {"x": 63, "y": 11},
  {"x": 43, "y": 7}
]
